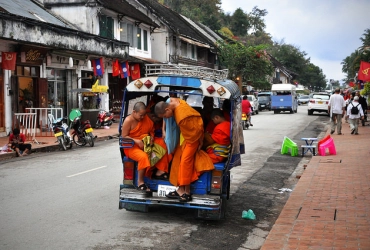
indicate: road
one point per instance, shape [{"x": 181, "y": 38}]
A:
[{"x": 69, "y": 200}]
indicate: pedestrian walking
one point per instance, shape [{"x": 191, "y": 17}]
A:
[
  {"x": 354, "y": 113},
  {"x": 336, "y": 109}
]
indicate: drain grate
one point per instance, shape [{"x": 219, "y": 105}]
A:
[
  {"x": 317, "y": 214},
  {"x": 330, "y": 160}
]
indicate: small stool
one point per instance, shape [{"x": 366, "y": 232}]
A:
[
  {"x": 287, "y": 145},
  {"x": 307, "y": 148},
  {"x": 328, "y": 144}
]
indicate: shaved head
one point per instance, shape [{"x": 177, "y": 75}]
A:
[
  {"x": 139, "y": 106},
  {"x": 160, "y": 108}
]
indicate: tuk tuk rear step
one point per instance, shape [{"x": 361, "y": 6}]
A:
[{"x": 206, "y": 202}]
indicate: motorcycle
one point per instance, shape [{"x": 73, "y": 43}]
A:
[
  {"x": 245, "y": 121},
  {"x": 104, "y": 119},
  {"x": 61, "y": 132},
  {"x": 82, "y": 132}
]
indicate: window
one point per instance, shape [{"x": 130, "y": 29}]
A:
[
  {"x": 192, "y": 51},
  {"x": 123, "y": 31},
  {"x": 106, "y": 26},
  {"x": 145, "y": 38},
  {"x": 184, "y": 51},
  {"x": 138, "y": 34},
  {"x": 130, "y": 34}
]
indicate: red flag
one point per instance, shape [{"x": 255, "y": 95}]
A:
[
  {"x": 135, "y": 71},
  {"x": 98, "y": 66},
  {"x": 116, "y": 69},
  {"x": 125, "y": 72},
  {"x": 8, "y": 60},
  {"x": 364, "y": 72},
  {"x": 351, "y": 84}
]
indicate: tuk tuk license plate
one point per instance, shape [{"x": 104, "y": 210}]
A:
[
  {"x": 320, "y": 102},
  {"x": 58, "y": 134},
  {"x": 165, "y": 189},
  {"x": 262, "y": 105},
  {"x": 89, "y": 130}
]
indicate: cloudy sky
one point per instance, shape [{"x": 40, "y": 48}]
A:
[{"x": 327, "y": 30}]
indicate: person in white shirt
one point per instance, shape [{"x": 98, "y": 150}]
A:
[
  {"x": 336, "y": 109},
  {"x": 354, "y": 118}
]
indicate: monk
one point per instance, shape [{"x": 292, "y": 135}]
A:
[
  {"x": 190, "y": 122},
  {"x": 218, "y": 143},
  {"x": 137, "y": 126}
]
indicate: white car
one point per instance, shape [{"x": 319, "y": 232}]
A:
[
  {"x": 254, "y": 102},
  {"x": 318, "y": 103}
]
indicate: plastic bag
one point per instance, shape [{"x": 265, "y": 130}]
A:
[{"x": 248, "y": 215}]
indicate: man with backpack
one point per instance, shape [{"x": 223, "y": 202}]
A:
[
  {"x": 354, "y": 113},
  {"x": 362, "y": 101}
]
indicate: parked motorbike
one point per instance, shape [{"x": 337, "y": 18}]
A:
[
  {"x": 61, "y": 132},
  {"x": 245, "y": 121},
  {"x": 104, "y": 119},
  {"x": 82, "y": 132}
]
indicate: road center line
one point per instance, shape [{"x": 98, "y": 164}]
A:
[{"x": 84, "y": 172}]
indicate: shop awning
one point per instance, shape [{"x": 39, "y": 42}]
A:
[{"x": 194, "y": 42}]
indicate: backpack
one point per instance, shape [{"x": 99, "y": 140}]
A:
[{"x": 354, "y": 109}]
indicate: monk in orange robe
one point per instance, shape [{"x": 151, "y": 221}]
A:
[
  {"x": 137, "y": 126},
  {"x": 218, "y": 143},
  {"x": 183, "y": 170}
]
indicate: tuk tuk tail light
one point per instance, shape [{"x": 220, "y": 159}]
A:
[
  {"x": 128, "y": 172},
  {"x": 312, "y": 101},
  {"x": 216, "y": 182}
]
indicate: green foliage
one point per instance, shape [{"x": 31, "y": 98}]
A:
[
  {"x": 351, "y": 64},
  {"x": 226, "y": 32},
  {"x": 251, "y": 63}
]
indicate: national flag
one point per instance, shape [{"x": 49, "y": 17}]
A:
[
  {"x": 8, "y": 60},
  {"x": 135, "y": 71},
  {"x": 125, "y": 72},
  {"x": 364, "y": 71},
  {"x": 116, "y": 69},
  {"x": 98, "y": 67}
]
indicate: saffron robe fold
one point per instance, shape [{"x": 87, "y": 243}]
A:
[
  {"x": 144, "y": 128},
  {"x": 188, "y": 163},
  {"x": 221, "y": 136}
]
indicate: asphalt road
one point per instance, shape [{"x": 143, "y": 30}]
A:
[{"x": 69, "y": 200}]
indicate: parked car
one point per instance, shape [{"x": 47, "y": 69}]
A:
[
  {"x": 318, "y": 103},
  {"x": 264, "y": 102},
  {"x": 254, "y": 102},
  {"x": 303, "y": 99}
]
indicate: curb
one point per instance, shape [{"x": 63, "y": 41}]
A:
[{"x": 50, "y": 148}]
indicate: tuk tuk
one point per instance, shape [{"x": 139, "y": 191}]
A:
[{"x": 211, "y": 191}]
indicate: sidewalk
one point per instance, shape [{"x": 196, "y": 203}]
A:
[
  {"x": 330, "y": 206},
  {"x": 50, "y": 144}
]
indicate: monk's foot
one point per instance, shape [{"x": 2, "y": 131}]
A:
[
  {"x": 185, "y": 197},
  {"x": 144, "y": 189},
  {"x": 160, "y": 175}
]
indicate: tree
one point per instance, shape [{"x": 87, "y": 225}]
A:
[
  {"x": 240, "y": 23},
  {"x": 351, "y": 64},
  {"x": 251, "y": 63},
  {"x": 256, "y": 19}
]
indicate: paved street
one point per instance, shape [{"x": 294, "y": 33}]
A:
[{"x": 69, "y": 200}]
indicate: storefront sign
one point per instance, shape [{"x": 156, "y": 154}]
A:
[{"x": 32, "y": 55}]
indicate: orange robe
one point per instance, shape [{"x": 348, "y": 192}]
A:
[
  {"x": 144, "y": 128},
  {"x": 188, "y": 163},
  {"x": 221, "y": 136}
]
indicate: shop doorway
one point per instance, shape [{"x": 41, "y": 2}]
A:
[{"x": 57, "y": 90}]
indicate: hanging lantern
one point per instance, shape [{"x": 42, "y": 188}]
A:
[
  {"x": 88, "y": 64},
  {"x": 70, "y": 62}
]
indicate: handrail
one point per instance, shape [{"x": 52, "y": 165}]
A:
[
  {"x": 186, "y": 70},
  {"x": 26, "y": 122}
]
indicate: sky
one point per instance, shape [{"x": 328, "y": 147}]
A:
[{"x": 327, "y": 30}]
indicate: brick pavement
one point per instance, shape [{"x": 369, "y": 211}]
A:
[{"x": 330, "y": 206}]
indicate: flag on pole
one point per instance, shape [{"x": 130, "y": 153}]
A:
[
  {"x": 116, "y": 69},
  {"x": 135, "y": 71},
  {"x": 8, "y": 60},
  {"x": 364, "y": 71},
  {"x": 98, "y": 67},
  {"x": 125, "y": 72}
]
